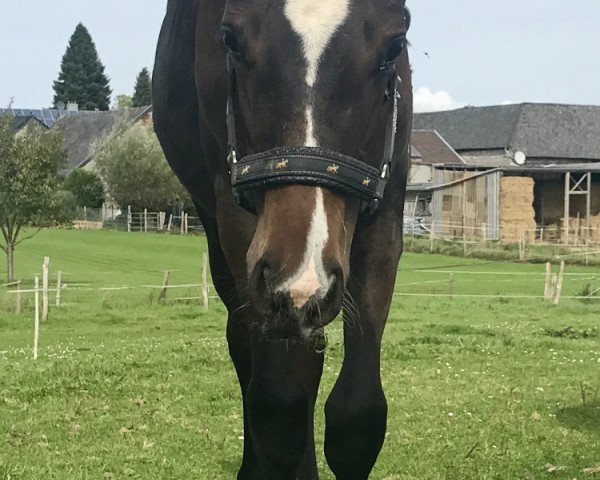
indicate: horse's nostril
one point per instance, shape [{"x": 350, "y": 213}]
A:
[
  {"x": 266, "y": 272},
  {"x": 261, "y": 280}
]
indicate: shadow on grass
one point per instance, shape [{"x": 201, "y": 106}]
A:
[{"x": 581, "y": 417}]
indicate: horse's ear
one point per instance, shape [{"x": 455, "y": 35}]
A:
[{"x": 407, "y": 18}]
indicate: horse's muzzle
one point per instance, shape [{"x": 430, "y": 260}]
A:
[{"x": 279, "y": 309}]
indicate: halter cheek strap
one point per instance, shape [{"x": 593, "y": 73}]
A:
[{"x": 231, "y": 96}]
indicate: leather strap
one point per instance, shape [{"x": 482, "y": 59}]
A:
[
  {"x": 306, "y": 166},
  {"x": 231, "y": 98}
]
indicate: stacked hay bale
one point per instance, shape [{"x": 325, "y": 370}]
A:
[
  {"x": 517, "y": 215},
  {"x": 595, "y": 232}
]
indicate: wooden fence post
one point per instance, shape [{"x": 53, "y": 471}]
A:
[
  {"x": 186, "y": 223},
  {"x": 45, "y": 278},
  {"x": 129, "y": 218},
  {"x": 431, "y": 237},
  {"x": 182, "y": 225},
  {"x": 18, "y": 306},
  {"x": 205, "y": 280},
  {"x": 163, "y": 292},
  {"x": 559, "y": 283},
  {"x": 36, "y": 325},
  {"x": 520, "y": 246},
  {"x": 145, "y": 220},
  {"x": 58, "y": 287},
  {"x": 548, "y": 283},
  {"x": 170, "y": 224}
]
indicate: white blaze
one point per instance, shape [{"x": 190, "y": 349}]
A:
[
  {"x": 315, "y": 22},
  {"x": 310, "y": 140},
  {"x": 311, "y": 278}
]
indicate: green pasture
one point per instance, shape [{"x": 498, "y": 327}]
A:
[{"x": 495, "y": 387}]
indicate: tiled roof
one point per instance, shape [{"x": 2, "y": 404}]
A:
[
  {"x": 433, "y": 148},
  {"x": 82, "y": 131},
  {"x": 539, "y": 130}
]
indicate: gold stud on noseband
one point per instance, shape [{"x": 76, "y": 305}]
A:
[
  {"x": 246, "y": 169},
  {"x": 282, "y": 164},
  {"x": 366, "y": 182},
  {"x": 333, "y": 168}
]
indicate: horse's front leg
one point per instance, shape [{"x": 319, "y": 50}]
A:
[
  {"x": 280, "y": 403},
  {"x": 356, "y": 410}
]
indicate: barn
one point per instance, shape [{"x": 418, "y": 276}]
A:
[{"x": 530, "y": 171}]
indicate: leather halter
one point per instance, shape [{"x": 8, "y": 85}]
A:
[{"x": 314, "y": 166}]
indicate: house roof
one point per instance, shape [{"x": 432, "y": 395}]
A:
[
  {"x": 83, "y": 130},
  {"x": 539, "y": 130},
  {"x": 22, "y": 121},
  {"x": 433, "y": 148},
  {"x": 48, "y": 116}
]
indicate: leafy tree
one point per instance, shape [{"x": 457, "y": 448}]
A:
[
  {"x": 86, "y": 187},
  {"x": 134, "y": 169},
  {"x": 82, "y": 78},
  {"x": 143, "y": 89},
  {"x": 29, "y": 165},
  {"x": 123, "y": 102}
]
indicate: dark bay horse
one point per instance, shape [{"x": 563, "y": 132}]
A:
[{"x": 288, "y": 121}]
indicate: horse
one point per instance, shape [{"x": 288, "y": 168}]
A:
[{"x": 288, "y": 122}]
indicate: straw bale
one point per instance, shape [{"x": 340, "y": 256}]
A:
[{"x": 517, "y": 216}]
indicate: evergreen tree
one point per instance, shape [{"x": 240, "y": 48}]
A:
[
  {"x": 82, "y": 77},
  {"x": 143, "y": 89}
]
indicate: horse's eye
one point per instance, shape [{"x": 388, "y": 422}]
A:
[
  {"x": 232, "y": 40},
  {"x": 407, "y": 18},
  {"x": 395, "y": 48}
]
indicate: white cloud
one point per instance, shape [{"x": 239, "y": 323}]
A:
[
  {"x": 427, "y": 101},
  {"x": 509, "y": 102}
]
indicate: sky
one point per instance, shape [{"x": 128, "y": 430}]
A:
[{"x": 464, "y": 52}]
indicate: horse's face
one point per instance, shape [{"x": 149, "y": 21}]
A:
[{"x": 313, "y": 73}]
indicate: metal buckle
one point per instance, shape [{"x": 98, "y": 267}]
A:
[{"x": 232, "y": 157}]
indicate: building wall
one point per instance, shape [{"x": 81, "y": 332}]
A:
[
  {"x": 468, "y": 208},
  {"x": 486, "y": 158},
  {"x": 420, "y": 174}
]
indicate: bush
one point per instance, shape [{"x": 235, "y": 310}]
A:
[
  {"x": 131, "y": 162},
  {"x": 86, "y": 187}
]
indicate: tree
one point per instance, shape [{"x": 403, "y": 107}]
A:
[
  {"x": 29, "y": 165},
  {"x": 143, "y": 89},
  {"x": 123, "y": 102},
  {"x": 86, "y": 187},
  {"x": 82, "y": 78},
  {"x": 133, "y": 167}
]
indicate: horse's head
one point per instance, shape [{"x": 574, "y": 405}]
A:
[{"x": 317, "y": 74}]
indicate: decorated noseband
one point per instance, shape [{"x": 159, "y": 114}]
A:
[
  {"x": 305, "y": 166},
  {"x": 313, "y": 166}
]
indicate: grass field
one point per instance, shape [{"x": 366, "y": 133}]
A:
[{"x": 125, "y": 387}]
